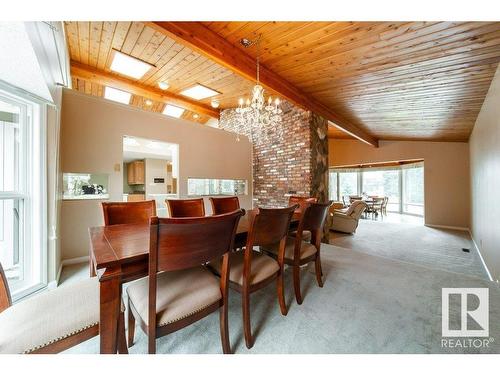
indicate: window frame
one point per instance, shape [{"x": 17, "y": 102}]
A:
[{"x": 32, "y": 188}]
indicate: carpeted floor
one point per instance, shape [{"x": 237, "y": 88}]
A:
[
  {"x": 413, "y": 243},
  {"x": 369, "y": 304}
]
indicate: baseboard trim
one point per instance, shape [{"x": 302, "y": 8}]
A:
[
  {"x": 481, "y": 257},
  {"x": 463, "y": 229},
  {"x": 67, "y": 262}
]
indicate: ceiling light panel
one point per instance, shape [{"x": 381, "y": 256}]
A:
[
  {"x": 117, "y": 95},
  {"x": 173, "y": 111},
  {"x": 129, "y": 66},
  {"x": 199, "y": 92}
]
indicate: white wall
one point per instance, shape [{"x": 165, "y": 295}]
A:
[
  {"x": 485, "y": 179},
  {"x": 92, "y": 131},
  {"x": 446, "y": 173}
]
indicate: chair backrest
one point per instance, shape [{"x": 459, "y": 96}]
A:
[
  {"x": 224, "y": 205},
  {"x": 386, "y": 200},
  {"x": 186, "y": 207},
  {"x": 268, "y": 226},
  {"x": 5, "y": 299},
  {"x": 182, "y": 243},
  {"x": 312, "y": 219},
  {"x": 128, "y": 212},
  {"x": 356, "y": 209},
  {"x": 301, "y": 201}
]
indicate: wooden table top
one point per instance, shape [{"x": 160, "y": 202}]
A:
[{"x": 118, "y": 244}]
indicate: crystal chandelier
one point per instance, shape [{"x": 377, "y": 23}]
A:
[{"x": 263, "y": 115}]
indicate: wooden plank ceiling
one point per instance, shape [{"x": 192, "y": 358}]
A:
[
  {"x": 91, "y": 44},
  {"x": 397, "y": 80},
  {"x": 413, "y": 80}
]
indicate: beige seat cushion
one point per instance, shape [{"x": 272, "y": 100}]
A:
[
  {"x": 262, "y": 267},
  {"x": 306, "y": 235},
  {"x": 306, "y": 249},
  {"x": 49, "y": 317},
  {"x": 179, "y": 294}
]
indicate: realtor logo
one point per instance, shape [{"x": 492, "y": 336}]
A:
[{"x": 472, "y": 304}]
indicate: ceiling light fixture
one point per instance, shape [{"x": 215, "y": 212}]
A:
[
  {"x": 199, "y": 92},
  {"x": 129, "y": 66},
  {"x": 263, "y": 115},
  {"x": 196, "y": 116},
  {"x": 163, "y": 85},
  {"x": 117, "y": 95},
  {"x": 215, "y": 103},
  {"x": 173, "y": 111},
  {"x": 148, "y": 102}
]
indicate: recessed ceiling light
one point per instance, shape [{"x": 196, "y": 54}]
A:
[
  {"x": 195, "y": 116},
  {"x": 199, "y": 92},
  {"x": 117, "y": 95},
  {"x": 163, "y": 85},
  {"x": 129, "y": 66},
  {"x": 173, "y": 111},
  {"x": 148, "y": 102},
  {"x": 214, "y": 103}
]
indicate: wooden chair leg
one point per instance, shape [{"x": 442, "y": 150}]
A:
[
  {"x": 319, "y": 271},
  {"x": 131, "y": 326},
  {"x": 224, "y": 329},
  {"x": 151, "y": 344},
  {"x": 296, "y": 283},
  {"x": 122, "y": 340},
  {"x": 246, "y": 319},
  {"x": 281, "y": 294}
]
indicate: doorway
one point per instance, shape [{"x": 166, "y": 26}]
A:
[{"x": 150, "y": 171}]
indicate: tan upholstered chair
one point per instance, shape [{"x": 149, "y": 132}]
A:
[
  {"x": 347, "y": 221},
  {"x": 179, "y": 290},
  {"x": 52, "y": 321},
  {"x": 252, "y": 270},
  {"x": 298, "y": 252}
]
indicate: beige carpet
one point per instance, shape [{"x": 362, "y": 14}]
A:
[
  {"x": 369, "y": 304},
  {"x": 430, "y": 247}
]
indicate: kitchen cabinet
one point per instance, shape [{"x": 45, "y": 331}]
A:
[
  {"x": 135, "y": 172},
  {"x": 135, "y": 197}
]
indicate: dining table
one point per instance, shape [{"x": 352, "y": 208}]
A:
[{"x": 120, "y": 254}]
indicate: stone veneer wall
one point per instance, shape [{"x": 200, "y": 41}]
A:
[{"x": 295, "y": 163}]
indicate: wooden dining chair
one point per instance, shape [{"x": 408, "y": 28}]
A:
[
  {"x": 252, "y": 270},
  {"x": 303, "y": 202},
  {"x": 186, "y": 207},
  {"x": 224, "y": 205},
  {"x": 128, "y": 212},
  {"x": 53, "y": 321},
  {"x": 298, "y": 252},
  {"x": 179, "y": 290}
]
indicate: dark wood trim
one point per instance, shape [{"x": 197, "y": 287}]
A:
[{"x": 5, "y": 297}]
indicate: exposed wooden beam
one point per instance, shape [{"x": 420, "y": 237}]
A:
[
  {"x": 91, "y": 74},
  {"x": 205, "y": 41}
]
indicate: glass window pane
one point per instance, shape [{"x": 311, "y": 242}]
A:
[
  {"x": 213, "y": 186},
  {"x": 11, "y": 257},
  {"x": 9, "y": 147},
  {"x": 332, "y": 185},
  {"x": 413, "y": 191},
  {"x": 348, "y": 183},
  {"x": 383, "y": 184}
]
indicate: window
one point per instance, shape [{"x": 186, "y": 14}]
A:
[
  {"x": 404, "y": 185},
  {"x": 211, "y": 186},
  {"x": 383, "y": 183},
  {"x": 348, "y": 183},
  {"x": 22, "y": 198},
  {"x": 413, "y": 191}
]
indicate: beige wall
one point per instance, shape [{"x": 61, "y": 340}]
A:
[
  {"x": 91, "y": 142},
  {"x": 485, "y": 179},
  {"x": 446, "y": 173}
]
